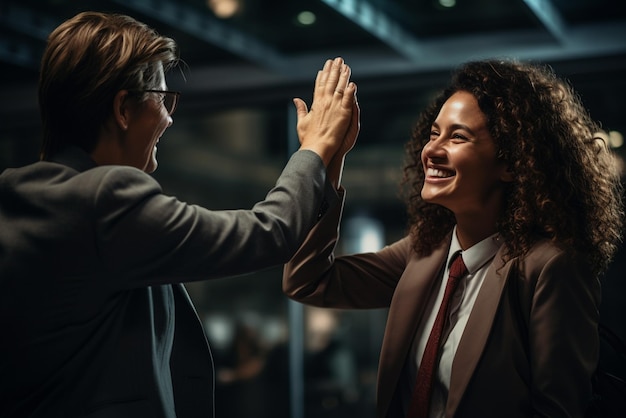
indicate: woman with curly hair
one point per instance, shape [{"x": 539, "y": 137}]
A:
[{"x": 507, "y": 172}]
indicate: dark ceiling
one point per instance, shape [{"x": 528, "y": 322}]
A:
[
  {"x": 399, "y": 50},
  {"x": 264, "y": 43}
]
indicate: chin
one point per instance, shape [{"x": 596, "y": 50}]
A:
[
  {"x": 428, "y": 197},
  {"x": 151, "y": 168},
  {"x": 434, "y": 199},
  {"x": 152, "y": 163}
]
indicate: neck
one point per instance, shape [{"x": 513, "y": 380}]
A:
[
  {"x": 471, "y": 231},
  {"x": 107, "y": 150},
  {"x": 106, "y": 155}
]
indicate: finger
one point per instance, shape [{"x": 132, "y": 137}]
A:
[
  {"x": 322, "y": 75},
  {"x": 355, "y": 122},
  {"x": 333, "y": 75},
  {"x": 344, "y": 79},
  {"x": 321, "y": 79},
  {"x": 356, "y": 109},
  {"x": 349, "y": 96}
]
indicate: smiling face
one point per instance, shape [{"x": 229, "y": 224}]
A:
[
  {"x": 460, "y": 165},
  {"x": 148, "y": 122}
]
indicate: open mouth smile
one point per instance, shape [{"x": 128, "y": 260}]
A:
[{"x": 438, "y": 173}]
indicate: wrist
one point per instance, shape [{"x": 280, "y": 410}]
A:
[
  {"x": 323, "y": 152},
  {"x": 335, "y": 170}
]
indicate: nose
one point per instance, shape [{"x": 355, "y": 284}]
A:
[
  {"x": 170, "y": 120},
  {"x": 433, "y": 149}
]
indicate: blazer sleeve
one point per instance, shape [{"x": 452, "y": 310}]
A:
[
  {"x": 315, "y": 276},
  {"x": 563, "y": 336},
  {"x": 142, "y": 233}
]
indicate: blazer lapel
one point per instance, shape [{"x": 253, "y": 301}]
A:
[
  {"x": 477, "y": 331},
  {"x": 405, "y": 314}
]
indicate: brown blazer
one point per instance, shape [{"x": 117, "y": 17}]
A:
[{"x": 530, "y": 345}]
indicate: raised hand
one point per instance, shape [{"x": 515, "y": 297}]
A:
[{"x": 331, "y": 124}]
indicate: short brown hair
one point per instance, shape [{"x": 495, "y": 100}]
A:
[{"x": 87, "y": 60}]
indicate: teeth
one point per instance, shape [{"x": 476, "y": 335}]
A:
[{"x": 431, "y": 172}]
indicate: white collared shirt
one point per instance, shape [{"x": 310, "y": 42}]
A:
[{"x": 476, "y": 259}]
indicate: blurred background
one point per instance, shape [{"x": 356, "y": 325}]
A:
[{"x": 235, "y": 128}]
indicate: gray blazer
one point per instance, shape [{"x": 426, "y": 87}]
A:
[
  {"x": 531, "y": 342},
  {"x": 94, "y": 319}
]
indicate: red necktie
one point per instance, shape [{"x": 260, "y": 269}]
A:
[{"x": 420, "y": 401}]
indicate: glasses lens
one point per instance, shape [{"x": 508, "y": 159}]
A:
[
  {"x": 170, "y": 102},
  {"x": 169, "y": 99}
]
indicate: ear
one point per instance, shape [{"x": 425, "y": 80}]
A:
[{"x": 121, "y": 109}]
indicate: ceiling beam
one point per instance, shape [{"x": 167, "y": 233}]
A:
[
  {"x": 549, "y": 17},
  {"x": 208, "y": 28},
  {"x": 585, "y": 41},
  {"x": 379, "y": 25},
  {"x": 603, "y": 39}
]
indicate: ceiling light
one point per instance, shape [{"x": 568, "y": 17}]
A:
[
  {"x": 306, "y": 18},
  {"x": 224, "y": 8},
  {"x": 447, "y": 3}
]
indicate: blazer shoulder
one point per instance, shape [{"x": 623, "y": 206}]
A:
[
  {"x": 111, "y": 185},
  {"x": 544, "y": 250},
  {"x": 546, "y": 255},
  {"x": 119, "y": 175}
]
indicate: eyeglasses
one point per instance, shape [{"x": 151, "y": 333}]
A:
[{"x": 169, "y": 98}]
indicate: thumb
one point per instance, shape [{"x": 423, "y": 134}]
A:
[{"x": 301, "y": 108}]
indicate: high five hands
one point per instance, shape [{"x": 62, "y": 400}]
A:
[{"x": 330, "y": 128}]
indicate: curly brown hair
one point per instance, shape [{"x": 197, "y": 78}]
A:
[{"x": 566, "y": 185}]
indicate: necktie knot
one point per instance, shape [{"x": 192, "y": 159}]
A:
[{"x": 458, "y": 268}]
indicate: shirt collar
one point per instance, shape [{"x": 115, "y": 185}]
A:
[{"x": 478, "y": 254}]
